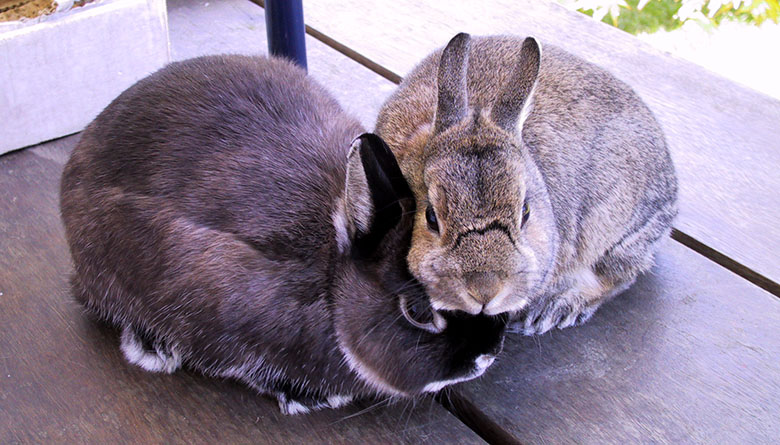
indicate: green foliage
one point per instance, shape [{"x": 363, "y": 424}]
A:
[
  {"x": 637, "y": 16},
  {"x": 756, "y": 11},
  {"x": 655, "y": 14}
]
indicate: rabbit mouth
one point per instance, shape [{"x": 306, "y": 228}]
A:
[{"x": 421, "y": 315}]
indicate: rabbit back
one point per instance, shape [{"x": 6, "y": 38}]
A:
[
  {"x": 592, "y": 137},
  {"x": 198, "y": 208},
  {"x": 220, "y": 213}
]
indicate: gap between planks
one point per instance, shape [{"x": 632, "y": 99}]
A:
[
  {"x": 345, "y": 50},
  {"x": 471, "y": 416},
  {"x": 726, "y": 262}
]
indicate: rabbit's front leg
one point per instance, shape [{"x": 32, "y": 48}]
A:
[{"x": 573, "y": 306}]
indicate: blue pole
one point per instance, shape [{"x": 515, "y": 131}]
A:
[{"x": 285, "y": 28}]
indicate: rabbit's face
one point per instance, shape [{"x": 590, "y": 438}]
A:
[
  {"x": 387, "y": 332},
  {"x": 483, "y": 235}
]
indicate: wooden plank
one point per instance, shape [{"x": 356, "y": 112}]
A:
[
  {"x": 62, "y": 377},
  {"x": 724, "y": 137},
  {"x": 690, "y": 354}
]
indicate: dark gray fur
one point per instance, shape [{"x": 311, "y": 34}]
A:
[{"x": 208, "y": 216}]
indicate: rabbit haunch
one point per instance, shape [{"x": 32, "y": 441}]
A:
[
  {"x": 220, "y": 214},
  {"x": 543, "y": 183}
]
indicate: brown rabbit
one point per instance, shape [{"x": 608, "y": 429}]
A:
[
  {"x": 217, "y": 215},
  {"x": 544, "y": 183}
]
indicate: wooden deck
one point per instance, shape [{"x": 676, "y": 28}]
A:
[{"x": 690, "y": 354}]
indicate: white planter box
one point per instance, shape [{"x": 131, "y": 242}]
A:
[{"x": 58, "y": 74}]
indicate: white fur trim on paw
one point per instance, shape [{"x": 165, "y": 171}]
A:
[
  {"x": 133, "y": 350},
  {"x": 586, "y": 314},
  {"x": 544, "y": 325},
  {"x": 437, "y": 386},
  {"x": 291, "y": 407},
  {"x": 339, "y": 401},
  {"x": 569, "y": 320}
]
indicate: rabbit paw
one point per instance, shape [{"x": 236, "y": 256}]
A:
[
  {"x": 574, "y": 306},
  {"x": 153, "y": 356},
  {"x": 561, "y": 312},
  {"x": 291, "y": 406}
]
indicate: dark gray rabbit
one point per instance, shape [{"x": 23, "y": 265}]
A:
[
  {"x": 219, "y": 213},
  {"x": 544, "y": 183}
]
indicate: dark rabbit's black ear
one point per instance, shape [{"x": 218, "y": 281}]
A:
[{"x": 377, "y": 194}]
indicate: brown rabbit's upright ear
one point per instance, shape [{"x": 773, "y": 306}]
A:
[
  {"x": 514, "y": 102},
  {"x": 453, "y": 96},
  {"x": 377, "y": 194}
]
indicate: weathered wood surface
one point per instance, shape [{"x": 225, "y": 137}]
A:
[
  {"x": 690, "y": 354},
  {"x": 725, "y": 138},
  {"x": 62, "y": 377}
]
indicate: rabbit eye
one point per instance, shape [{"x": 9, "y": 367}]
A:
[
  {"x": 416, "y": 311},
  {"x": 526, "y": 213},
  {"x": 430, "y": 216}
]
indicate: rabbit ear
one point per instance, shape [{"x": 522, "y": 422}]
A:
[
  {"x": 453, "y": 97},
  {"x": 514, "y": 100},
  {"x": 377, "y": 194}
]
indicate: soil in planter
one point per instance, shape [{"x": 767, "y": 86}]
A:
[{"x": 11, "y": 10}]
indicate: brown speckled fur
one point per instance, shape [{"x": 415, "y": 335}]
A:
[{"x": 589, "y": 160}]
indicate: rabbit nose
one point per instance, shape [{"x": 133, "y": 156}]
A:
[{"x": 483, "y": 286}]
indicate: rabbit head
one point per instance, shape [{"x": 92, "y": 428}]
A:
[
  {"x": 384, "y": 324},
  {"x": 484, "y": 233}
]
